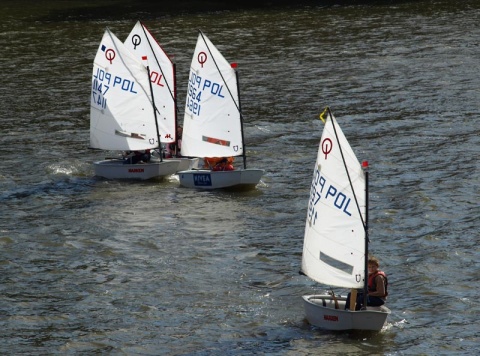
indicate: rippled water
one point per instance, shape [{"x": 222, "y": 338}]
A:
[{"x": 92, "y": 266}]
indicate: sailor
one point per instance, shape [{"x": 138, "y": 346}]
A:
[
  {"x": 137, "y": 157},
  {"x": 219, "y": 163},
  {"x": 174, "y": 149},
  {"x": 377, "y": 287},
  {"x": 377, "y": 283}
]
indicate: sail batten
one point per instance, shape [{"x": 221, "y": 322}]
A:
[{"x": 334, "y": 242}]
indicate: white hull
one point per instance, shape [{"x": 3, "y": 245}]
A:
[
  {"x": 116, "y": 169},
  {"x": 187, "y": 163},
  {"x": 206, "y": 179},
  {"x": 320, "y": 311}
]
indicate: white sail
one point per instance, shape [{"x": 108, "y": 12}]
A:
[
  {"x": 212, "y": 123},
  {"x": 121, "y": 111},
  {"x": 334, "y": 243},
  {"x": 162, "y": 75}
]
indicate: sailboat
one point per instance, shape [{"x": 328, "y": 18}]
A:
[
  {"x": 213, "y": 122},
  {"x": 122, "y": 114},
  {"x": 163, "y": 77},
  {"x": 335, "y": 245}
]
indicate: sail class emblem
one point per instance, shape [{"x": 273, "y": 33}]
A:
[
  {"x": 202, "y": 58},
  {"x": 109, "y": 53},
  {"x": 327, "y": 146},
  {"x": 136, "y": 40}
]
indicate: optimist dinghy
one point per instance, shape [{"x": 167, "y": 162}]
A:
[
  {"x": 336, "y": 235},
  {"x": 213, "y": 123},
  {"x": 123, "y": 115}
]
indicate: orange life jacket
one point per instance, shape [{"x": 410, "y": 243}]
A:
[
  {"x": 372, "y": 285},
  {"x": 219, "y": 163}
]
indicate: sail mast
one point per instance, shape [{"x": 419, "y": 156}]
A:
[
  {"x": 155, "y": 115},
  {"x": 170, "y": 90},
  {"x": 244, "y": 155},
  {"x": 177, "y": 149},
  {"x": 365, "y": 286}
]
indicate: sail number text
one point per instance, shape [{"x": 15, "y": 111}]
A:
[
  {"x": 328, "y": 194},
  {"x": 196, "y": 86},
  {"x": 103, "y": 81}
]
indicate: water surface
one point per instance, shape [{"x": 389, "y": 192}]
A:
[{"x": 95, "y": 266}]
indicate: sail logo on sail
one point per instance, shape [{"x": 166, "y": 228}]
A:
[
  {"x": 202, "y": 58},
  {"x": 136, "y": 40},
  {"x": 109, "y": 53},
  {"x": 329, "y": 196},
  {"x": 327, "y": 146}
]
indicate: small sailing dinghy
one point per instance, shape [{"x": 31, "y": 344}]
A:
[
  {"x": 213, "y": 122},
  {"x": 123, "y": 116},
  {"x": 336, "y": 235},
  {"x": 163, "y": 77}
]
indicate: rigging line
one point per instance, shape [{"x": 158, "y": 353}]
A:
[
  {"x": 139, "y": 83},
  {"x": 155, "y": 116},
  {"x": 348, "y": 174},
  {"x": 126, "y": 66},
  {"x": 145, "y": 30},
  {"x": 364, "y": 223},
  {"x": 244, "y": 155},
  {"x": 221, "y": 75}
]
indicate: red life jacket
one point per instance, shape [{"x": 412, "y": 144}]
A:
[
  {"x": 219, "y": 163},
  {"x": 372, "y": 285}
]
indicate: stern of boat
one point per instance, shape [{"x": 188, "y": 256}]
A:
[
  {"x": 320, "y": 311},
  {"x": 207, "y": 179},
  {"x": 117, "y": 169}
]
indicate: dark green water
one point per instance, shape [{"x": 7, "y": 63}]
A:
[{"x": 99, "y": 267}]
